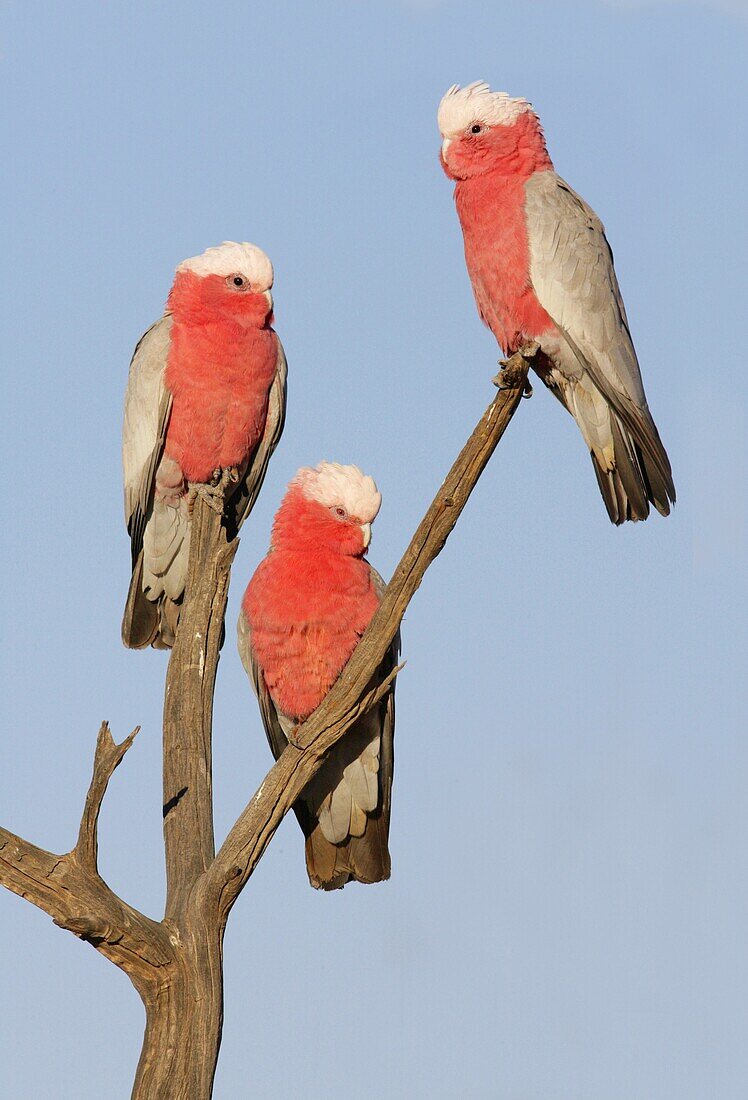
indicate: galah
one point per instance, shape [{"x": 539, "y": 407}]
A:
[
  {"x": 542, "y": 270},
  {"x": 204, "y": 411},
  {"x": 302, "y": 615}
]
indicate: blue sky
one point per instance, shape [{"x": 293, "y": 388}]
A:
[{"x": 566, "y": 917}]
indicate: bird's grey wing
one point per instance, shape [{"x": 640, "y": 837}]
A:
[
  {"x": 147, "y": 411},
  {"x": 349, "y": 799},
  {"x": 387, "y": 710},
  {"x": 365, "y": 758},
  {"x": 270, "y": 717},
  {"x": 572, "y": 274},
  {"x": 243, "y": 500}
]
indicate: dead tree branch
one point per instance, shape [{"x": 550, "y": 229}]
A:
[
  {"x": 107, "y": 757},
  {"x": 188, "y": 709},
  {"x": 69, "y": 888},
  {"x": 177, "y": 965},
  {"x": 253, "y": 831}
]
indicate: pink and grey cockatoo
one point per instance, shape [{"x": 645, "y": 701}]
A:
[
  {"x": 302, "y": 616},
  {"x": 542, "y": 270},
  {"x": 204, "y": 411}
]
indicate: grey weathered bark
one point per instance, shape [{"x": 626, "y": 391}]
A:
[{"x": 176, "y": 964}]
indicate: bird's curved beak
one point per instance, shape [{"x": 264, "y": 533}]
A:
[
  {"x": 269, "y": 297},
  {"x": 445, "y": 146},
  {"x": 366, "y": 532}
]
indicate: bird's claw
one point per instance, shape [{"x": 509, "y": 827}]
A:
[
  {"x": 224, "y": 476},
  {"x": 507, "y": 379},
  {"x": 214, "y": 492},
  {"x": 504, "y": 380},
  {"x": 292, "y": 737},
  {"x": 213, "y": 495}
]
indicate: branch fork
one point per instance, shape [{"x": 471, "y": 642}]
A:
[{"x": 177, "y": 964}]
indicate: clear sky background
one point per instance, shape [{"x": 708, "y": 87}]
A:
[{"x": 568, "y": 913}]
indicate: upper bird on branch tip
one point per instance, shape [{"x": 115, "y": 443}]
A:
[{"x": 542, "y": 269}]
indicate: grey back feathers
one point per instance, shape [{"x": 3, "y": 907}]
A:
[{"x": 597, "y": 374}]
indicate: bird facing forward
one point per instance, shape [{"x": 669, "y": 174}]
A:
[
  {"x": 542, "y": 270},
  {"x": 303, "y": 614},
  {"x": 204, "y": 411}
]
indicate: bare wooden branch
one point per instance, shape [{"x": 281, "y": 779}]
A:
[
  {"x": 183, "y": 1022},
  {"x": 69, "y": 888},
  {"x": 107, "y": 757},
  {"x": 251, "y": 834},
  {"x": 177, "y": 965},
  {"x": 188, "y": 709},
  {"x": 180, "y": 1048}
]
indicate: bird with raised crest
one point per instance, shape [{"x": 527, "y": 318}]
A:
[
  {"x": 542, "y": 271},
  {"x": 303, "y": 614},
  {"x": 204, "y": 411}
]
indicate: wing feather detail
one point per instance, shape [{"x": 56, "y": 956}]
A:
[
  {"x": 572, "y": 274},
  {"x": 146, "y": 420}
]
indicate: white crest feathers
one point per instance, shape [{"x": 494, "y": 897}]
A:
[
  {"x": 230, "y": 258},
  {"x": 332, "y": 484},
  {"x": 461, "y": 107}
]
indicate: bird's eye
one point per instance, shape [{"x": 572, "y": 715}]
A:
[
  {"x": 237, "y": 282},
  {"x": 476, "y": 128},
  {"x": 339, "y": 512}
]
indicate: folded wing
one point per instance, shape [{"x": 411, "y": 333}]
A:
[
  {"x": 147, "y": 411},
  {"x": 344, "y": 813},
  {"x": 572, "y": 274}
]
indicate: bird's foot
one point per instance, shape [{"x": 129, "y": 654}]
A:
[
  {"x": 224, "y": 476},
  {"x": 292, "y": 736},
  {"x": 213, "y": 495},
  {"x": 214, "y": 492},
  {"x": 507, "y": 378}
]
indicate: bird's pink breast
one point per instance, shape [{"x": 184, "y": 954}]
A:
[
  {"x": 307, "y": 613},
  {"x": 219, "y": 374},
  {"x": 491, "y": 209}
]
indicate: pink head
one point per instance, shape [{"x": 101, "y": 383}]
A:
[
  {"x": 484, "y": 131},
  {"x": 328, "y": 507},
  {"x": 230, "y": 282}
]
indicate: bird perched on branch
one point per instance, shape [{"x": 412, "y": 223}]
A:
[
  {"x": 542, "y": 270},
  {"x": 302, "y": 616},
  {"x": 204, "y": 411}
]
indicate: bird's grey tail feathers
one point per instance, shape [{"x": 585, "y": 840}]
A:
[
  {"x": 345, "y": 811},
  {"x": 358, "y": 859},
  {"x": 140, "y": 620},
  {"x": 148, "y": 622},
  {"x": 641, "y": 474}
]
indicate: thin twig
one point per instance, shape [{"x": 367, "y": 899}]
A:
[
  {"x": 107, "y": 757},
  {"x": 69, "y": 889}
]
